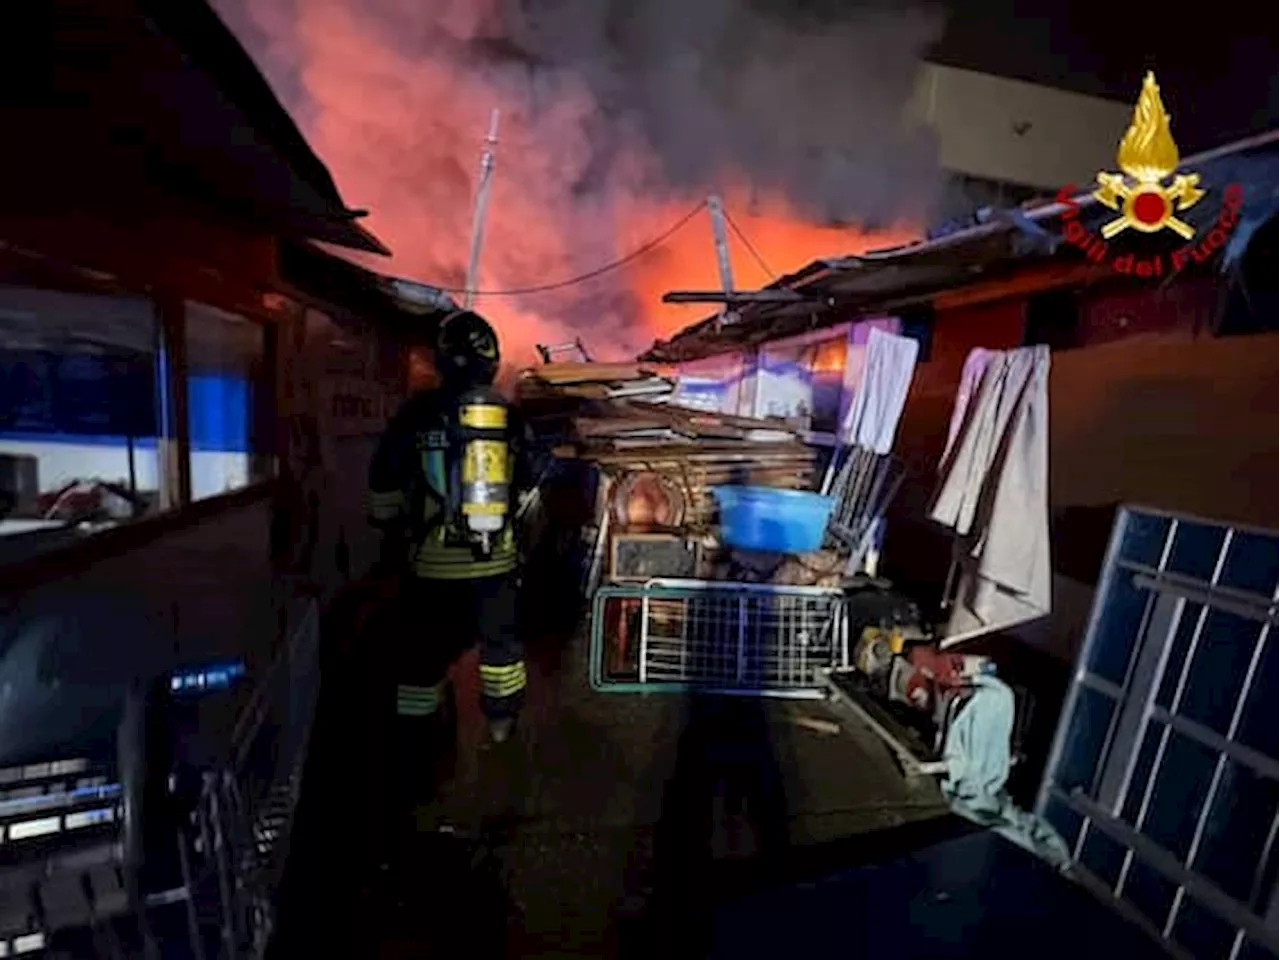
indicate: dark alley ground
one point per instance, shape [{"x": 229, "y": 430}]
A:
[{"x": 611, "y": 826}]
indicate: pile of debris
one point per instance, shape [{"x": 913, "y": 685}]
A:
[
  {"x": 619, "y": 417},
  {"x": 658, "y": 463},
  {"x": 592, "y": 381}
]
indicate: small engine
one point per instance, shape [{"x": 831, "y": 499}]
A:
[
  {"x": 881, "y": 624},
  {"x": 933, "y": 682},
  {"x": 900, "y": 662}
]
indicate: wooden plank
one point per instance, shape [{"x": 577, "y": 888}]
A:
[
  {"x": 674, "y": 459},
  {"x": 567, "y": 373},
  {"x": 654, "y": 387},
  {"x": 710, "y": 451},
  {"x": 792, "y": 480},
  {"x": 1023, "y": 282},
  {"x": 690, "y": 424},
  {"x": 688, "y": 415},
  {"x": 593, "y": 427},
  {"x": 652, "y": 462},
  {"x": 585, "y": 391}
]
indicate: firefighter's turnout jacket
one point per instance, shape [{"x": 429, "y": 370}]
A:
[{"x": 409, "y": 490}]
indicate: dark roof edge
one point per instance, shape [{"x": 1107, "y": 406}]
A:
[
  {"x": 997, "y": 224},
  {"x": 355, "y": 290},
  {"x": 211, "y": 46}
]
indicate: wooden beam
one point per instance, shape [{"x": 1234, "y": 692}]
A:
[
  {"x": 1022, "y": 282},
  {"x": 732, "y": 296}
]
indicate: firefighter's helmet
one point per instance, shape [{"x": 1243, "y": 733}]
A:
[{"x": 467, "y": 350}]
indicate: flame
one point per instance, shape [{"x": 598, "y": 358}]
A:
[
  {"x": 782, "y": 238},
  {"x": 1148, "y": 152},
  {"x": 829, "y": 356},
  {"x": 402, "y": 134}
]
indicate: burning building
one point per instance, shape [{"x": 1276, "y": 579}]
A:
[{"x": 1129, "y": 351}]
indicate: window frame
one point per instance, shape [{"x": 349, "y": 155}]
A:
[
  {"x": 268, "y": 393},
  {"x": 177, "y": 510}
]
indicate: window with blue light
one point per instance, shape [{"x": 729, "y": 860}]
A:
[
  {"x": 228, "y": 401},
  {"x": 79, "y": 412}
]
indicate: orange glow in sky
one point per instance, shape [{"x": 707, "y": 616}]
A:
[{"x": 402, "y": 134}]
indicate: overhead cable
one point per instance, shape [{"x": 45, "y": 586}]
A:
[
  {"x": 750, "y": 247},
  {"x": 591, "y": 274}
]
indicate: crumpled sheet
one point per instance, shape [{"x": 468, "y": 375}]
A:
[
  {"x": 978, "y": 759},
  {"x": 995, "y": 493}
]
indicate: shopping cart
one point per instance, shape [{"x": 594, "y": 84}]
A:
[
  {"x": 672, "y": 636},
  {"x": 164, "y": 837}
]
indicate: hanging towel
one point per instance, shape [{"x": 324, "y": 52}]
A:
[
  {"x": 882, "y": 392},
  {"x": 975, "y": 365},
  {"x": 977, "y": 756},
  {"x": 995, "y": 496}
]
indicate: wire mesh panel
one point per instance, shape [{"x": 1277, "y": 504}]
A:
[
  {"x": 1163, "y": 773},
  {"x": 716, "y": 637}
]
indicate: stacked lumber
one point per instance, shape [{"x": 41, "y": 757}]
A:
[
  {"x": 619, "y": 416},
  {"x": 592, "y": 381}
]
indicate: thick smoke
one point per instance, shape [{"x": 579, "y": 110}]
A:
[
  {"x": 617, "y": 115},
  {"x": 806, "y": 100}
]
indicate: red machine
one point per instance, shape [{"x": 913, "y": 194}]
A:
[{"x": 902, "y": 668}]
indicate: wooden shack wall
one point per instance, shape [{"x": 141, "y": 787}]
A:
[{"x": 1176, "y": 420}]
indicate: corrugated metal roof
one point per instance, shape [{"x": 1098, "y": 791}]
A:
[{"x": 835, "y": 288}]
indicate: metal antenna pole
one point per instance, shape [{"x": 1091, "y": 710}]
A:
[
  {"x": 481, "y": 208},
  {"x": 720, "y": 232}
]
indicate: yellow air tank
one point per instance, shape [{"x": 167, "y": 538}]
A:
[{"x": 485, "y": 469}]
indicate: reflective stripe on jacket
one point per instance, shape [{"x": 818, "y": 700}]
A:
[
  {"x": 437, "y": 560},
  {"x": 384, "y": 506}
]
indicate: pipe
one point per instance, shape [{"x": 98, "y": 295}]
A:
[{"x": 481, "y": 208}]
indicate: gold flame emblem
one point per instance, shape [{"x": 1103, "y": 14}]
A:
[{"x": 1148, "y": 155}]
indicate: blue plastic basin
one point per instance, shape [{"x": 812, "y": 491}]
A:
[{"x": 774, "y": 521}]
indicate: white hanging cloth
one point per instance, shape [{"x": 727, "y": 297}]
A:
[
  {"x": 872, "y": 421},
  {"x": 975, "y": 365},
  {"x": 995, "y": 495}
]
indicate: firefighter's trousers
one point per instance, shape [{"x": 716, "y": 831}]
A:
[
  {"x": 436, "y": 622},
  {"x": 440, "y": 620}
]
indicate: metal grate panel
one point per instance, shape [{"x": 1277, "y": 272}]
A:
[
  {"x": 864, "y": 486},
  {"x": 1163, "y": 772},
  {"x": 716, "y": 637}
]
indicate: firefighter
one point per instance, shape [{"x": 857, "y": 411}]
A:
[{"x": 456, "y": 585}]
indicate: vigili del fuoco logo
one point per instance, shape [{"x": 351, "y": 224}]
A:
[{"x": 1148, "y": 198}]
